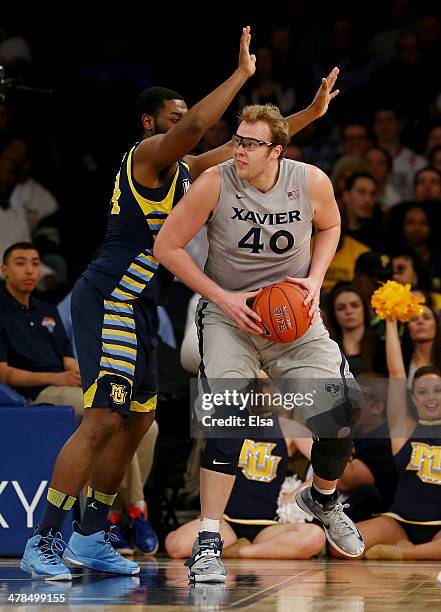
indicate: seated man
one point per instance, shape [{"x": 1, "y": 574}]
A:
[
  {"x": 35, "y": 353},
  {"x": 370, "y": 479},
  {"x": 250, "y": 528}
]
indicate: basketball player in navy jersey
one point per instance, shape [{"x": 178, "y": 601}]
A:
[
  {"x": 115, "y": 322},
  {"x": 259, "y": 233}
]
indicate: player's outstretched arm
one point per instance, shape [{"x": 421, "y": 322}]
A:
[
  {"x": 181, "y": 226},
  {"x": 318, "y": 106},
  {"x": 296, "y": 122},
  {"x": 164, "y": 149}
]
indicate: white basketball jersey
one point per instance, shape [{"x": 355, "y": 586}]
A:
[{"x": 259, "y": 238}]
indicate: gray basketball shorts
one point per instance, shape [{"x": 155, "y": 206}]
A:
[{"x": 312, "y": 367}]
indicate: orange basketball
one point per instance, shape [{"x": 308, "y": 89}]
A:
[{"x": 284, "y": 316}]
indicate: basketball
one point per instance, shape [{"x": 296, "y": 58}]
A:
[{"x": 284, "y": 316}]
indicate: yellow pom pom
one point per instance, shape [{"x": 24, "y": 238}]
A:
[{"x": 395, "y": 301}]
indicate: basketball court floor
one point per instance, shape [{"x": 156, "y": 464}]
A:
[{"x": 266, "y": 586}]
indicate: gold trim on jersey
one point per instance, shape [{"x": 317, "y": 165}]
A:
[
  {"x": 427, "y": 423},
  {"x": 250, "y": 521},
  {"x": 397, "y": 517},
  {"x": 149, "y": 206},
  {"x": 147, "y": 406}
]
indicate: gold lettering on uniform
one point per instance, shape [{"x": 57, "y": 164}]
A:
[
  {"x": 257, "y": 462},
  {"x": 118, "y": 393},
  {"x": 115, "y": 197},
  {"x": 426, "y": 460}
]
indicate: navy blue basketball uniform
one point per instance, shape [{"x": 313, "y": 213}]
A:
[
  {"x": 114, "y": 302},
  {"x": 417, "y": 502},
  {"x": 252, "y": 505}
]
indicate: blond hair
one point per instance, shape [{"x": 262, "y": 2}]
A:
[{"x": 271, "y": 115}]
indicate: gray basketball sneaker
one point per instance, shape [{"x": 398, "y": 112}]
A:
[
  {"x": 340, "y": 531},
  {"x": 205, "y": 564}
]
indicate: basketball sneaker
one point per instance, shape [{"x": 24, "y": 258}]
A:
[
  {"x": 121, "y": 544},
  {"x": 205, "y": 564},
  {"x": 340, "y": 531},
  {"x": 96, "y": 552},
  {"x": 42, "y": 557},
  {"x": 144, "y": 538}
]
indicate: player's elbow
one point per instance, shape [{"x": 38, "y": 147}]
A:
[{"x": 159, "y": 248}]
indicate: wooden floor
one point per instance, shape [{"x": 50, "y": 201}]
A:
[{"x": 277, "y": 586}]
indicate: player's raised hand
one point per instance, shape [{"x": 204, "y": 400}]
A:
[
  {"x": 234, "y": 305},
  {"x": 247, "y": 62},
  {"x": 325, "y": 94}
]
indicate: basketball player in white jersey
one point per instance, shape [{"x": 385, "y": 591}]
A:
[{"x": 260, "y": 210}]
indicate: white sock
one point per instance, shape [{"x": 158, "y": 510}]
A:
[
  {"x": 209, "y": 525},
  {"x": 324, "y": 491},
  {"x": 141, "y": 505}
]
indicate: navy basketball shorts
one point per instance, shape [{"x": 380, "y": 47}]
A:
[{"x": 116, "y": 346}]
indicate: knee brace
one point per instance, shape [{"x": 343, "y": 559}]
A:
[
  {"x": 222, "y": 455},
  {"x": 329, "y": 456}
]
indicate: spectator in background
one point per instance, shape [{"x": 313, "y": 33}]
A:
[
  {"x": 380, "y": 166},
  {"x": 13, "y": 226},
  {"x": 28, "y": 197},
  {"x": 421, "y": 342},
  {"x": 355, "y": 139},
  {"x": 342, "y": 266},
  {"x": 383, "y": 45},
  {"x": 408, "y": 72},
  {"x": 409, "y": 269},
  {"x": 427, "y": 184},
  {"x": 387, "y": 126},
  {"x": 411, "y": 226},
  {"x": 217, "y": 135},
  {"x": 343, "y": 168},
  {"x": 294, "y": 151},
  {"x": 371, "y": 269},
  {"x": 363, "y": 221},
  {"x": 348, "y": 317},
  {"x": 265, "y": 88},
  {"x": 435, "y": 158},
  {"x": 35, "y": 353},
  {"x": 370, "y": 480},
  {"x": 433, "y": 139}
]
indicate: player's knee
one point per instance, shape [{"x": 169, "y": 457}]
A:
[
  {"x": 329, "y": 457},
  {"x": 313, "y": 542},
  {"x": 98, "y": 426},
  {"x": 174, "y": 546},
  {"x": 222, "y": 455}
]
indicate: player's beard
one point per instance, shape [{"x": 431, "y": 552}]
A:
[{"x": 160, "y": 127}]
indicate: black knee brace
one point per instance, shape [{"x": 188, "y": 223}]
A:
[
  {"x": 329, "y": 456},
  {"x": 222, "y": 455},
  {"x": 332, "y": 440}
]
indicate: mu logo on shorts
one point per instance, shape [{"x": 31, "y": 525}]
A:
[
  {"x": 426, "y": 460},
  {"x": 257, "y": 462},
  {"x": 118, "y": 393}
]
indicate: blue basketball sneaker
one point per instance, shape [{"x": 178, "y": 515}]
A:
[
  {"x": 144, "y": 538},
  {"x": 121, "y": 545},
  {"x": 42, "y": 557},
  {"x": 96, "y": 552}
]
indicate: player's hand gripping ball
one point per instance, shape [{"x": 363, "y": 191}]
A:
[{"x": 284, "y": 316}]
